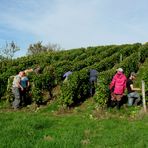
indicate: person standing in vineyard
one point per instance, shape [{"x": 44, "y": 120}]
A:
[
  {"x": 93, "y": 81},
  {"x": 16, "y": 90},
  {"x": 133, "y": 96},
  {"x": 25, "y": 84},
  {"x": 118, "y": 86}
]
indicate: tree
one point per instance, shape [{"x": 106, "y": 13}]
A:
[
  {"x": 38, "y": 48},
  {"x": 1, "y": 57},
  {"x": 9, "y": 50},
  {"x": 53, "y": 47}
]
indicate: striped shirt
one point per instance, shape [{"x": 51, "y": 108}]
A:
[{"x": 16, "y": 81}]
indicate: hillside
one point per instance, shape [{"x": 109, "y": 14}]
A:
[
  {"x": 105, "y": 59},
  {"x": 71, "y": 118}
]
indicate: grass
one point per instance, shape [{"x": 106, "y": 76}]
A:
[{"x": 86, "y": 126}]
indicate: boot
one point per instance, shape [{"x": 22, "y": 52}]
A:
[
  {"x": 118, "y": 105},
  {"x": 113, "y": 103}
]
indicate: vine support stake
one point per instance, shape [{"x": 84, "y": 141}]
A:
[
  {"x": 139, "y": 55},
  {"x": 143, "y": 96},
  {"x": 121, "y": 57}
]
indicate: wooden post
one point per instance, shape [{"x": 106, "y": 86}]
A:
[
  {"x": 139, "y": 55},
  {"x": 143, "y": 95},
  {"x": 121, "y": 58}
]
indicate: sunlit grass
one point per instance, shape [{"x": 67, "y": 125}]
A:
[{"x": 79, "y": 127}]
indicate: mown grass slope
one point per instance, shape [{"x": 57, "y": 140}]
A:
[{"x": 83, "y": 126}]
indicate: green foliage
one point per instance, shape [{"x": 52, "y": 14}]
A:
[
  {"x": 36, "y": 87},
  {"x": 143, "y": 75},
  {"x": 130, "y": 64},
  {"x": 2, "y": 86},
  {"x": 102, "y": 91},
  {"x": 36, "y": 94},
  {"x": 143, "y": 52},
  {"x": 75, "y": 89},
  {"x": 54, "y": 64},
  {"x": 9, "y": 95},
  {"x": 40, "y": 82}
]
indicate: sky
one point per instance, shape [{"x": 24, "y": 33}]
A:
[{"x": 73, "y": 23}]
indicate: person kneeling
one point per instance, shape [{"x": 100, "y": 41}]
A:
[{"x": 133, "y": 95}]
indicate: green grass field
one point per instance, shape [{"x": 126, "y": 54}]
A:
[{"x": 85, "y": 126}]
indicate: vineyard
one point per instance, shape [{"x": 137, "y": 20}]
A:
[{"x": 53, "y": 64}]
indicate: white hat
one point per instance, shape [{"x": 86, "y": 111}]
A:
[{"x": 120, "y": 69}]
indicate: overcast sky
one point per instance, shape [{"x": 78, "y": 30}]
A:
[{"x": 73, "y": 23}]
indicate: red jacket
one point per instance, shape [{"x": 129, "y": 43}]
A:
[{"x": 118, "y": 83}]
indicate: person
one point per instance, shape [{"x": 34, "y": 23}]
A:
[
  {"x": 117, "y": 87},
  {"x": 37, "y": 70},
  {"x": 25, "y": 84},
  {"x": 93, "y": 80},
  {"x": 133, "y": 96},
  {"x": 16, "y": 90},
  {"x": 66, "y": 75},
  {"x": 49, "y": 88}
]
